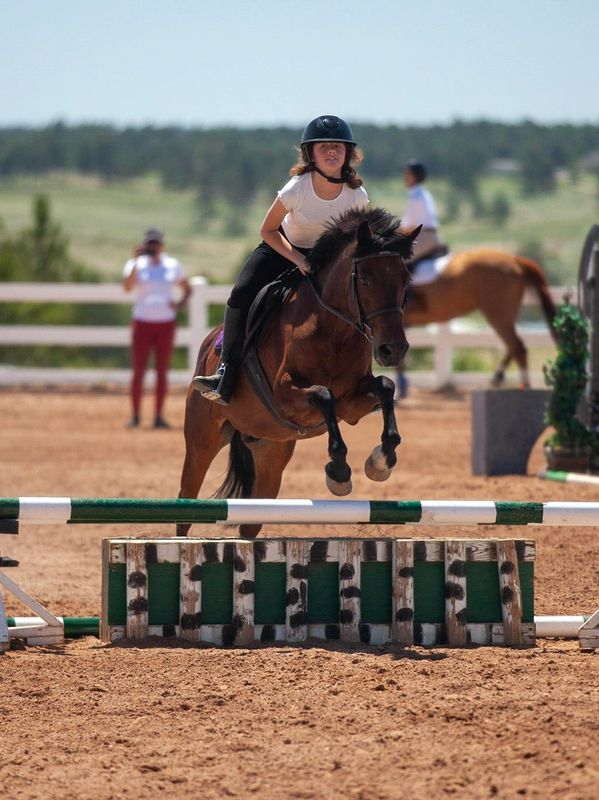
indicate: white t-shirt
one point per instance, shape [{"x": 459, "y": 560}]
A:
[
  {"x": 420, "y": 209},
  {"x": 154, "y": 287},
  {"x": 307, "y": 214}
]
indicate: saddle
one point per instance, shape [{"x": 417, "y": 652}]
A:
[
  {"x": 436, "y": 252},
  {"x": 263, "y": 311}
]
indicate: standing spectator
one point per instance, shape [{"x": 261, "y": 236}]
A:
[{"x": 153, "y": 274}]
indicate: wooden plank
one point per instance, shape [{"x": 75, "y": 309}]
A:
[
  {"x": 190, "y": 594},
  {"x": 107, "y": 548},
  {"x": 476, "y": 549},
  {"x": 243, "y": 593},
  {"x": 376, "y": 549},
  {"x": 296, "y": 613},
  {"x": 528, "y": 634},
  {"x": 511, "y": 594},
  {"x": 269, "y": 551},
  {"x": 588, "y": 634},
  {"x": 137, "y": 591},
  {"x": 402, "y": 572},
  {"x": 480, "y": 632},
  {"x": 350, "y": 560},
  {"x": 455, "y": 593},
  {"x": 4, "y": 637}
]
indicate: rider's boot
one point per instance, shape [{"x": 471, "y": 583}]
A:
[{"x": 219, "y": 387}]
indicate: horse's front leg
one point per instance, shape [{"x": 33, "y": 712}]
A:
[
  {"x": 381, "y": 461},
  {"x": 383, "y": 458},
  {"x": 338, "y": 471}
]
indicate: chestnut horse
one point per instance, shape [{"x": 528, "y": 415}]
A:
[
  {"x": 489, "y": 281},
  {"x": 317, "y": 357}
]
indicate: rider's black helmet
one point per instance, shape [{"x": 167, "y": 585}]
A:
[
  {"x": 417, "y": 169},
  {"x": 327, "y": 128}
]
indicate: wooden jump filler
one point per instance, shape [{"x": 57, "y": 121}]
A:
[{"x": 236, "y": 592}]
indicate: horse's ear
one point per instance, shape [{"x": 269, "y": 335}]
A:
[
  {"x": 414, "y": 235},
  {"x": 364, "y": 234}
]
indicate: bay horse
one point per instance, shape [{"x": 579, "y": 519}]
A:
[
  {"x": 317, "y": 357},
  {"x": 493, "y": 283}
]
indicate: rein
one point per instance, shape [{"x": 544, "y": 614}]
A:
[{"x": 361, "y": 325}]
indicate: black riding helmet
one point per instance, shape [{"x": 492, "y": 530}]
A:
[{"x": 328, "y": 128}]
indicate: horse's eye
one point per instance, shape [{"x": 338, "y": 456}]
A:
[{"x": 364, "y": 281}]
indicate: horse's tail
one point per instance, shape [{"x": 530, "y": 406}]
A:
[
  {"x": 241, "y": 473},
  {"x": 535, "y": 277}
]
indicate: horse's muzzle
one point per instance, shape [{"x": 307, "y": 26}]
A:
[{"x": 390, "y": 354}]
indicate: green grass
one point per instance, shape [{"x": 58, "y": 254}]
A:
[{"x": 103, "y": 220}]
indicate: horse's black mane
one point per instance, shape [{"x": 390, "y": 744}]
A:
[{"x": 343, "y": 230}]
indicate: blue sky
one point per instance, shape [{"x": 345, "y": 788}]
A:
[{"x": 205, "y": 62}]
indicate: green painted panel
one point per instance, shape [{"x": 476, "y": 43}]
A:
[
  {"x": 117, "y": 594},
  {"x": 527, "y": 580},
  {"x": 482, "y": 591},
  {"x": 271, "y": 589},
  {"x": 429, "y": 591},
  {"x": 323, "y": 592},
  {"x": 217, "y": 593},
  {"x": 376, "y": 591},
  {"x": 484, "y": 598},
  {"x": 163, "y": 593}
]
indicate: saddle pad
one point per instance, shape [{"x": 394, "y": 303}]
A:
[{"x": 429, "y": 269}]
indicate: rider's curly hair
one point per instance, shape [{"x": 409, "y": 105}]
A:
[{"x": 353, "y": 158}]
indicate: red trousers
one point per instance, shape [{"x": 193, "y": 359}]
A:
[{"x": 147, "y": 337}]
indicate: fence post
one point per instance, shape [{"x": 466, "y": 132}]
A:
[
  {"x": 198, "y": 319},
  {"x": 443, "y": 355}
]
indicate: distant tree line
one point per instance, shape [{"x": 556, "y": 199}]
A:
[{"x": 233, "y": 164}]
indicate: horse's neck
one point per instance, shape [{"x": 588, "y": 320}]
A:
[{"x": 334, "y": 283}]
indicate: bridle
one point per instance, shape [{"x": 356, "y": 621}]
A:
[{"x": 363, "y": 319}]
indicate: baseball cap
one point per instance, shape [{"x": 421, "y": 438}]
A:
[{"x": 153, "y": 235}]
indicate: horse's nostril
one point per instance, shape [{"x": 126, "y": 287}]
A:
[{"x": 385, "y": 350}]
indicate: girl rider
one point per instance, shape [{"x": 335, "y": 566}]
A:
[{"x": 324, "y": 185}]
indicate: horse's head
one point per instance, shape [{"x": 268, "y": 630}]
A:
[{"x": 380, "y": 279}]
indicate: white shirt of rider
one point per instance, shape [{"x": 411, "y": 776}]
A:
[
  {"x": 420, "y": 209},
  {"x": 154, "y": 287},
  {"x": 308, "y": 214}
]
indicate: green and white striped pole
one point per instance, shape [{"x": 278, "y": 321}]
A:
[
  {"x": 61, "y": 510},
  {"x": 568, "y": 477}
]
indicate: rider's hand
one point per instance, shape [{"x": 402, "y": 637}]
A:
[{"x": 303, "y": 266}]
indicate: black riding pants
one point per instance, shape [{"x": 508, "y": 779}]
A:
[{"x": 263, "y": 266}]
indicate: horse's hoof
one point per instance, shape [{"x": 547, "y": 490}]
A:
[
  {"x": 338, "y": 489},
  {"x": 373, "y": 472}
]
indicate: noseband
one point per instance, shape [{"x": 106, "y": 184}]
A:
[{"x": 363, "y": 319}]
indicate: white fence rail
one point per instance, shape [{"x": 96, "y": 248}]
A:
[{"x": 442, "y": 338}]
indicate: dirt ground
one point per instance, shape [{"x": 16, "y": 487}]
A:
[{"x": 89, "y": 720}]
